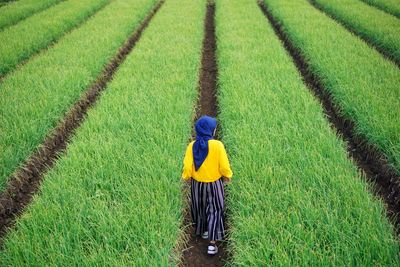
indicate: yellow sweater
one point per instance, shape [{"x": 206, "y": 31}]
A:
[{"x": 215, "y": 166}]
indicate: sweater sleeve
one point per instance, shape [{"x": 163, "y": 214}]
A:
[
  {"x": 187, "y": 163},
  {"x": 224, "y": 166}
]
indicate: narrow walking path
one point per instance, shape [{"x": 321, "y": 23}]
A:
[{"x": 195, "y": 253}]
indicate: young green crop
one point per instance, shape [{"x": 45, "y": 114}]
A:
[
  {"x": 362, "y": 83},
  {"x": 389, "y": 6},
  {"x": 34, "y": 98},
  {"x": 114, "y": 199},
  {"x": 375, "y": 26},
  {"x": 19, "y": 10},
  {"x": 295, "y": 199},
  {"x": 19, "y": 42}
]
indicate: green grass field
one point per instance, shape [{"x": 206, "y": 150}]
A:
[
  {"x": 14, "y": 11},
  {"x": 114, "y": 197},
  {"x": 127, "y": 212},
  {"x": 389, "y": 6},
  {"x": 380, "y": 29},
  {"x": 363, "y": 84},
  {"x": 19, "y": 42},
  {"x": 297, "y": 200},
  {"x": 34, "y": 98}
]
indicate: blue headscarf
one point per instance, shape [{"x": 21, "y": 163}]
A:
[{"x": 205, "y": 127}]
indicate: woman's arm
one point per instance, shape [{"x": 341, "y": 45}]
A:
[
  {"x": 187, "y": 163},
  {"x": 224, "y": 166}
]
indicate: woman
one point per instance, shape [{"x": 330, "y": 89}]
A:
[{"x": 206, "y": 165}]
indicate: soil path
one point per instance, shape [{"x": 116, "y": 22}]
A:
[
  {"x": 368, "y": 158},
  {"x": 195, "y": 252},
  {"x": 25, "y": 182}
]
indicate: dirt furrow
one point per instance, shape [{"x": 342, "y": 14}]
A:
[
  {"x": 25, "y": 181},
  {"x": 369, "y": 159},
  {"x": 381, "y": 50},
  {"x": 195, "y": 252}
]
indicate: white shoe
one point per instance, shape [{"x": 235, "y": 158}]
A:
[
  {"x": 212, "y": 249},
  {"x": 205, "y": 235}
]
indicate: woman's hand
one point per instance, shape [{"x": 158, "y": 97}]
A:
[{"x": 226, "y": 180}]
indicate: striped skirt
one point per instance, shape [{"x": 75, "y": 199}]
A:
[{"x": 207, "y": 208}]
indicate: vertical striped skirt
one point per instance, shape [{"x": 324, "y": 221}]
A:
[{"x": 207, "y": 208}]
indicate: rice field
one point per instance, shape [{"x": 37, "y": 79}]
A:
[
  {"x": 390, "y": 6},
  {"x": 29, "y": 36},
  {"x": 299, "y": 173},
  {"x": 112, "y": 195},
  {"x": 375, "y": 26},
  {"x": 14, "y": 11},
  {"x": 362, "y": 82},
  {"x": 56, "y": 79}
]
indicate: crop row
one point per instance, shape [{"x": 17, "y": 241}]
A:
[
  {"x": 18, "y": 10},
  {"x": 19, "y": 42},
  {"x": 296, "y": 199},
  {"x": 363, "y": 84},
  {"x": 34, "y": 98},
  {"x": 115, "y": 197},
  {"x": 375, "y": 26},
  {"x": 390, "y": 6}
]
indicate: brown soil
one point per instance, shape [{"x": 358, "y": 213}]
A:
[
  {"x": 373, "y": 163},
  {"x": 207, "y": 104},
  {"x": 368, "y": 41},
  {"x": 25, "y": 182},
  {"x": 195, "y": 251}
]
